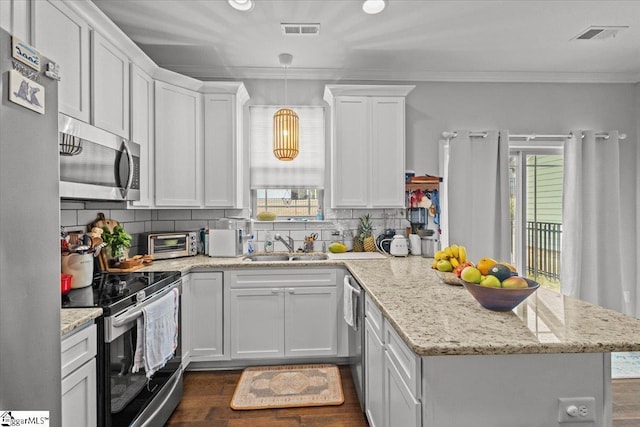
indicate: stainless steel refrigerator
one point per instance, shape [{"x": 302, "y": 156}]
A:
[{"x": 29, "y": 237}]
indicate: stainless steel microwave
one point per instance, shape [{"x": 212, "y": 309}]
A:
[{"x": 95, "y": 164}]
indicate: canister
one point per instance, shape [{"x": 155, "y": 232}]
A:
[
  {"x": 428, "y": 246},
  {"x": 80, "y": 266}
]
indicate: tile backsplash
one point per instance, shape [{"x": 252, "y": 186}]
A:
[{"x": 76, "y": 215}]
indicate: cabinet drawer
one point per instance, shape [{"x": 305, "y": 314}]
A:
[
  {"x": 281, "y": 278},
  {"x": 374, "y": 316},
  {"x": 78, "y": 348},
  {"x": 407, "y": 362}
]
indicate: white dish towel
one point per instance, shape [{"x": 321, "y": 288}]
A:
[
  {"x": 157, "y": 334},
  {"x": 347, "y": 302}
]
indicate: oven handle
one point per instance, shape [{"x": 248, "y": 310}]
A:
[{"x": 137, "y": 313}]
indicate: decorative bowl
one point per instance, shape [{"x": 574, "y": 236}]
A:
[
  {"x": 449, "y": 278},
  {"x": 500, "y": 299}
]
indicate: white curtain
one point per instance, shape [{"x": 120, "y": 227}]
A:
[
  {"x": 595, "y": 267},
  {"x": 476, "y": 204}
]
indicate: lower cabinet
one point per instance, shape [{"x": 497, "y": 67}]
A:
[
  {"x": 401, "y": 407},
  {"x": 202, "y": 317},
  {"x": 279, "y": 313},
  {"x": 392, "y": 375},
  {"x": 374, "y": 378},
  {"x": 79, "y": 400}
]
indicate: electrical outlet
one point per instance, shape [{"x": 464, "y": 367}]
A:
[{"x": 576, "y": 409}]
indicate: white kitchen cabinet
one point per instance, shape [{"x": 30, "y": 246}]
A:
[
  {"x": 204, "y": 324},
  {"x": 367, "y": 145},
  {"x": 401, "y": 408},
  {"x": 224, "y": 186},
  {"x": 15, "y": 18},
  {"x": 109, "y": 86},
  {"x": 374, "y": 376},
  {"x": 63, "y": 36},
  {"x": 257, "y": 323},
  {"x": 79, "y": 399},
  {"x": 142, "y": 130},
  {"x": 219, "y": 151},
  {"x": 178, "y": 146},
  {"x": 278, "y": 313}
]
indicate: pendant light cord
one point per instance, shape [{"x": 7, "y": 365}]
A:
[{"x": 285, "y": 87}]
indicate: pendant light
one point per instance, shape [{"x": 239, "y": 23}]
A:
[{"x": 286, "y": 135}]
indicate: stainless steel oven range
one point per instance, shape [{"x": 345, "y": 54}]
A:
[{"x": 126, "y": 398}]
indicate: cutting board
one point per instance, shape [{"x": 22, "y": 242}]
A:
[{"x": 101, "y": 222}]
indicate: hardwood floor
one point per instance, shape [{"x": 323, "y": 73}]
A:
[{"x": 207, "y": 396}]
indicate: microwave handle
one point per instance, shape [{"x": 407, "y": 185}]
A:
[{"x": 125, "y": 149}]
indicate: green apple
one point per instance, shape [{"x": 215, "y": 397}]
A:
[
  {"x": 515, "y": 282},
  {"x": 444, "y": 265},
  {"x": 471, "y": 275},
  {"x": 491, "y": 282}
]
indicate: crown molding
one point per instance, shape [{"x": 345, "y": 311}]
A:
[{"x": 336, "y": 74}]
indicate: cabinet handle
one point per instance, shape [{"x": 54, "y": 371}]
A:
[
  {"x": 292, "y": 290},
  {"x": 275, "y": 290}
]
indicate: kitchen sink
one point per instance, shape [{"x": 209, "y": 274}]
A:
[{"x": 285, "y": 257}]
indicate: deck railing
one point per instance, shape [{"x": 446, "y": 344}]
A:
[{"x": 543, "y": 251}]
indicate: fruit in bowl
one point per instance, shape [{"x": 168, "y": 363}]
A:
[{"x": 503, "y": 298}]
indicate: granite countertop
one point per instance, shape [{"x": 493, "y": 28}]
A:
[
  {"x": 73, "y": 318},
  {"x": 439, "y": 319}
]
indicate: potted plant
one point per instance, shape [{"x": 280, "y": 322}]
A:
[{"x": 118, "y": 241}]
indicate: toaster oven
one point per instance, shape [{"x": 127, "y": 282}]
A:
[{"x": 172, "y": 245}]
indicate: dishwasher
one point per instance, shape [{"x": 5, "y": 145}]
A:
[{"x": 356, "y": 334}]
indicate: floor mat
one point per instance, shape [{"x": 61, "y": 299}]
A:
[
  {"x": 288, "y": 386},
  {"x": 625, "y": 365}
]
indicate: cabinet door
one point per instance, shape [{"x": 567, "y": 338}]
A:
[
  {"x": 206, "y": 315},
  {"x": 63, "y": 36},
  {"x": 141, "y": 114},
  {"x": 401, "y": 407},
  {"x": 387, "y": 152},
  {"x": 373, "y": 376},
  {"x": 109, "y": 86},
  {"x": 186, "y": 310},
  {"x": 350, "y": 152},
  {"x": 178, "y": 170},
  {"x": 219, "y": 151},
  {"x": 79, "y": 397},
  {"x": 311, "y": 327},
  {"x": 257, "y": 323}
]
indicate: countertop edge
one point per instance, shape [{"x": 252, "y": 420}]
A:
[{"x": 74, "y": 318}]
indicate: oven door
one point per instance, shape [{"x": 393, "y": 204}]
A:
[
  {"x": 165, "y": 246},
  {"x": 130, "y": 398}
]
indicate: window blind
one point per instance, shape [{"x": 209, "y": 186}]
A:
[{"x": 306, "y": 170}]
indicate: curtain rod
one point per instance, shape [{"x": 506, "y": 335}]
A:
[{"x": 529, "y": 136}]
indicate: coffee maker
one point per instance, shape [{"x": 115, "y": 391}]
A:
[{"x": 417, "y": 217}]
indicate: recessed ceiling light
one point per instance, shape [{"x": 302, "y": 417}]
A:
[
  {"x": 242, "y": 5},
  {"x": 373, "y": 6}
]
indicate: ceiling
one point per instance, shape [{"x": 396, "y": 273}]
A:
[{"x": 411, "y": 40}]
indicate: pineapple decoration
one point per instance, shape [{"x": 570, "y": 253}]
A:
[{"x": 365, "y": 240}]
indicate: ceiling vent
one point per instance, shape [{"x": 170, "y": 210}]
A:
[
  {"x": 300, "y": 29},
  {"x": 599, "y": 33}
]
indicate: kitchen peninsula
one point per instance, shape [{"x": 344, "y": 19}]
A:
[{"x": 471, "y": 366}]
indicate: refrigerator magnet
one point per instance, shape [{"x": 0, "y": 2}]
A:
[{"x": 25, "y": 92}]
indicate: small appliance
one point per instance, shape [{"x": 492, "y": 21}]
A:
[
  {"x": 397, "y": 247},
  {"x": 225, "y": 243},
  {"x": 172, "y": 245},
  {"x": 383, "y": 241},
  {"x": 418, "y": 219},
  {"x": 95, "y": 164},
  {"x": 415, "y": 243}
]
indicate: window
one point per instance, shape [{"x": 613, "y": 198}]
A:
[
  {"x": 288, "y": 189},
  {"x": 536, "y": 175}
]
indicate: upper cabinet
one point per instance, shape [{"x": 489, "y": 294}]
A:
[
  {"x": 178, "y": 146},
  {"x": 142, "y": 130},
  {"x": 109, "y": 86},
  {"x": 63, "y": 36},
  {"x": 223, "y": 149},
  {"x": 367, "y": 145}
]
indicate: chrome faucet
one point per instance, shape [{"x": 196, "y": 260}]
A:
[{"x": 290, "y": 244}]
